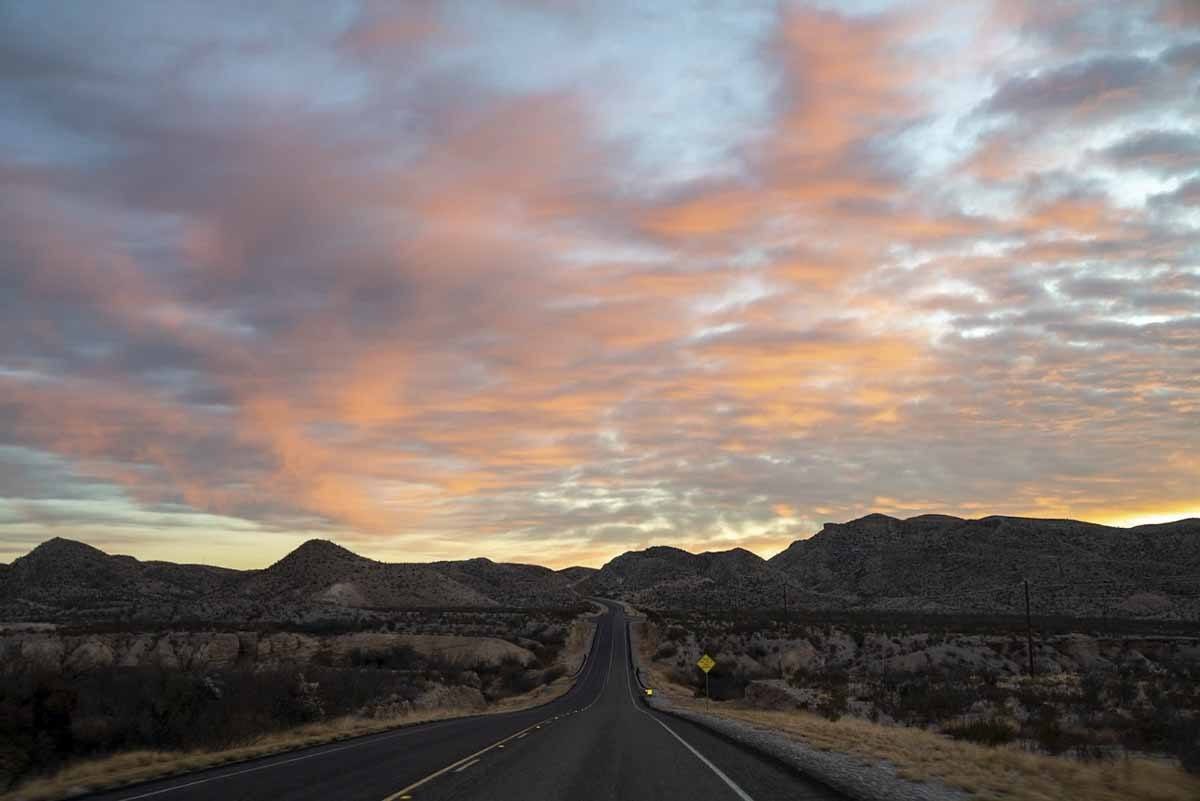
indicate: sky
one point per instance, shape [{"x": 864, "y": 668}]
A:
[{"x": 550, "y": 280}]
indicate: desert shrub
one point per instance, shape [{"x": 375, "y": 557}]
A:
[
  {"x": 666, "y": 651},
  {"x": 547, "y": 653},
  {"x": 991, "y": 731},
  {"x": 686, "y": 677},
  {"x": 836, "y": 704},
  {"x": 925, "y": 698},
  {"x": 676, "y": 633},
  {"x": 1174, "y": 732},
  {"x": 512, "y": 678},
  {"x": 395, "y": 657},
  {"x": 1189, "y": 756},
  {"x": 1051, "y": 736},
  {"x": 1092, "y": 688},
  {"x": 1126, "y": 689},
  {"x": 47, "y": 720}
]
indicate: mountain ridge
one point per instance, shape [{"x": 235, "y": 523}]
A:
[
  {"x": 942, "y": 562},
  {"x": 925, "y": 563},
  {"x": 67, "y": 579}
]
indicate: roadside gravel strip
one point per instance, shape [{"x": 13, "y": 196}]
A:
[{"x": 845, "y": 773}]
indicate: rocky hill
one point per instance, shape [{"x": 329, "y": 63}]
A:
[
  {"x": 329, "y": 573},
  {"x": 574, "y": 574},
  {"x": 670, "y": 578},
  {"x": 510, "y": 584},
  {"x": 64, "y": 574},
  {"x": 933, "y": 563},
  {"x": 930, "y": 563},
  {"x": 66, "y": 580},
  {"x": 942, "y": 563}
]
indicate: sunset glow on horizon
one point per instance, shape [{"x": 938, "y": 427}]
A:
[{"x": 550, "y": 281}]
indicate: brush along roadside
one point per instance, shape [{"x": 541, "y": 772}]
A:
[
  {"x": 922, "y": 763},
  {"x": 135, "y": 767}
]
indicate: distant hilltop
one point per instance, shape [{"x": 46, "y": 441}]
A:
[
  {"x": 62, "y": 579},
  {"x": 934, "y": 563},
  {"x": 929, "y": 563}
]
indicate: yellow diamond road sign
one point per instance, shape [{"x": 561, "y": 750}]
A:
[{"x": 706, "y": 663}]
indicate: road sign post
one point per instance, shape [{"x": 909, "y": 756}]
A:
[{"x": 706, "y": 664}]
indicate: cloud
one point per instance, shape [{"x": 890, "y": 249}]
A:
[
  {"x": 1186, "y": 194},
  {"x": 1163, "y": 151},
  {"x": 1181, "y": 13},
  {"x": 1087, "y": 87},
  {"x": 386, "y": 283}
]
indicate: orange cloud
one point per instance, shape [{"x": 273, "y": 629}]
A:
[{"x": 466, "y": 309}]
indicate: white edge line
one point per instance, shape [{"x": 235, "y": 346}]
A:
[
  {"x": 742, "y": 794},
  {"x": 274, "y": 764},
  {"x": 499, "y": 743},
  {"x": 461, "y": 768}
]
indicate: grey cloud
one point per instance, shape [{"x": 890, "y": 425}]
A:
[
  {"x": 1165, "y": 151},
  {"x": 1133, "y": 294},
  {"x": 268, "y": 247},
  {"x": 1069, "y": 87},
  {"x": 1186, "y": 194},
  {"x": 1184, "y": 57}
]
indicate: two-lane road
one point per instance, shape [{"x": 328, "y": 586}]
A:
[{"x": 599, "y": 741}]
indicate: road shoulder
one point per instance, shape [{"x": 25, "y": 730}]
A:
[{"x": 846, "y": 773}]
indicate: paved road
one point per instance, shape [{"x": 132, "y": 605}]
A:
[{"x": 596, "y": 742}]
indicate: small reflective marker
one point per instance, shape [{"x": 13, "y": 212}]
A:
[{"x": 649, "y": 691}]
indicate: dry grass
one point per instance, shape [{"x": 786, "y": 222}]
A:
[
  {"x": 139, "y": 766},
  {"x": 989, "y": 774}
]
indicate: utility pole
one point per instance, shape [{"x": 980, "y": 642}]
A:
[{"x": 1028, "y": 628}]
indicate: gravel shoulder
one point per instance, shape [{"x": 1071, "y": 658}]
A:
[
  {"x": 848, "y": 774},
  {"x": 857, "y": 778}
]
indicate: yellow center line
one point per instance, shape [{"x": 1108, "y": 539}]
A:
[
  {"x": 399, "y": 794},
  {"x": 465, "y": 762}
]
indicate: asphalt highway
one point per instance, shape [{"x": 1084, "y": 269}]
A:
[{"x": 598, "y": 741}]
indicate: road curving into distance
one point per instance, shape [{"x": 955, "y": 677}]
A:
[{"x": 598, "y": 741}]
